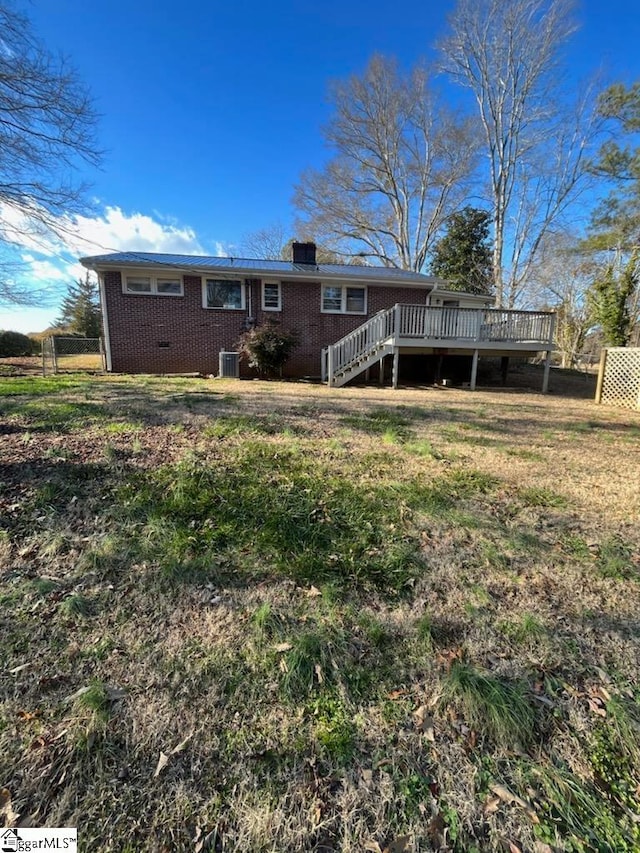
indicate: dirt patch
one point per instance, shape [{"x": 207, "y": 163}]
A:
[{"x": 23, "y": 366}]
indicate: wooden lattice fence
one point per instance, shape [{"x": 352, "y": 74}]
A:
[{"x": 619, "y": 377}]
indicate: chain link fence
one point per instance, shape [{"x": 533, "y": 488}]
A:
[{"x": 70, "y": 355}]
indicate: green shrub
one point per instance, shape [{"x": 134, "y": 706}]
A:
[
  {"x": 14, "y": 344},
  {"x": 267, "y": 347}
]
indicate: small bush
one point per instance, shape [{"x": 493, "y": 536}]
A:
[
  {"x": 267, "y": 347},
  {"x": 14, "y": 344}
]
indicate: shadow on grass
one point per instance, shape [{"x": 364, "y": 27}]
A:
[{"x": 269, "y": 510}]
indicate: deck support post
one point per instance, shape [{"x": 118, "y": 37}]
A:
[
  {"x": 504, "y": 369},
  {"x": 601, "y": 370},
  {"x": 438, "y": 375},
  {"x": 547, "y": 361},
  {"x": 396, "y": 359},
  {"x": 547, "y": 367},
  {"x": 474, "y": 370},
  {"x": 330, "y": 376},
  {"x": 381, "y": 371}
]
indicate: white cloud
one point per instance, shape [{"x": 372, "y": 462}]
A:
[
  {"x": 116, "y": 231},
  {"x": 111, "y": 231},
  {"x": 47, "y": 259},
  {"x": 43, "y": 270}
]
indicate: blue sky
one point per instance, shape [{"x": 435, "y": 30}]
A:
[{"x": 211, "y": 110}]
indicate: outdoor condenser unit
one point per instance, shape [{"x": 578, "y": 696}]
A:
[{"x": 229, "y": 365}]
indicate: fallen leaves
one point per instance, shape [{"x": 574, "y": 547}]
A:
[
  {"x": 597, "y": 699},
  {"x": 164, "y": 758},
  {"x": 17, "y": 669},
  {"x": 210, "y": 842},
  {"x": 398, "y": 845},
  {"x": 28, "y": 716},
  {"x": 424, "y": 723},
  {"x": 397, "y": 694},
  {"x": 507, "y": 796},
  {"x": 10, "y": 818}
]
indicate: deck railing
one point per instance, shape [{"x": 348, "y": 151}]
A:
[
  {"x": 426, "y": 323},
  {"x": 473, "y": 324}
]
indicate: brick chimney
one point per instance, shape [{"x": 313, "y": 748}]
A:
[{"x": 304, "y": 253}]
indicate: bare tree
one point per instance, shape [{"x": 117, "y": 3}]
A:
[
  {"x": 271, "y": 243},
  {"x": 560, "y": 281},
  {"x": 47, "y": 126},
  {"x": 507, "y": 52},
  {"x": 400, "y": 167}
]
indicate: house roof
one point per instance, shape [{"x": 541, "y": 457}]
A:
[{"x": 200, "y": 264}]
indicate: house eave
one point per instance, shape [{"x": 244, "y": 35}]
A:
[{"x": 422, "y": 282}]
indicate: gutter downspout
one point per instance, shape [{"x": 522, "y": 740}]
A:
[{"x": 105, "y": 320}]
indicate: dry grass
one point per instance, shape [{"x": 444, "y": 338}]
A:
[{"x": 344, "y": 618}]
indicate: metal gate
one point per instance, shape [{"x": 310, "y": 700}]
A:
[{"x": 71, "y": 355}]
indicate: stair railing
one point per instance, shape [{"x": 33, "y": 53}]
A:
[{"x": 359, "y": 344}]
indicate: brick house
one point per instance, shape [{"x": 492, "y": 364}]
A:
[{"x": 175, "y": 313}]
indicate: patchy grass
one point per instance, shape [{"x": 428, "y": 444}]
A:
[
  {"x": 268, "y": 616},
  {"x": 490, "y": 705}
]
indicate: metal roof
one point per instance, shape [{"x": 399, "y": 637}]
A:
[{"x": 203, "y": 264}]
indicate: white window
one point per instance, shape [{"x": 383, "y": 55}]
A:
[
  {"x": 137, "y": 284},
  {"x": 223, "y": 293},
  {"x": 344, "y": 300},
  {"x": 169, "y": 286},
  {"x": 152, "y": 285},
  {"x": 271, "y": 296}
]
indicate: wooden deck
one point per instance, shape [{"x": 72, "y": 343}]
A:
[{"x": 427, "y": 329}]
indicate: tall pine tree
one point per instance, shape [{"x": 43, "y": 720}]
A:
[{"x": 80, "y": 310}]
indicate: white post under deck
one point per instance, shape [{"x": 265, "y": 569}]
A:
[
  {"x": 474, "y": 370},
  {"x": 547, "y": 366},
  {"x": 396, "y": 359},
  {"x": 547, "y": 361}
]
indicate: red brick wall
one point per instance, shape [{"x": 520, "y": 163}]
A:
[{"x": 138, "y": 324}]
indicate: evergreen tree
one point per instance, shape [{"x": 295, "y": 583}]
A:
[
  {"x": 464, "y": 256},
  {"x": 80, "y": 310},
  {"x": 614, "y": 234},
  {"x": 609, "y": 302}
]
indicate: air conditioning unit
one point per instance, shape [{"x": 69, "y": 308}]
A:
[{"x": 229, "y": 365}]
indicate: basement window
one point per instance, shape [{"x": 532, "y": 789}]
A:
[
  {"x": 146, "y": 285},
  {"x": 344, "y": 300},
  {"x": 223, "y": 293}
]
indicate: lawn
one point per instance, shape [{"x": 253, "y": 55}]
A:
[{"x": 251, "y": 616}]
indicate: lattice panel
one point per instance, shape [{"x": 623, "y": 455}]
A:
[{"x": 621, "y": 381}]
